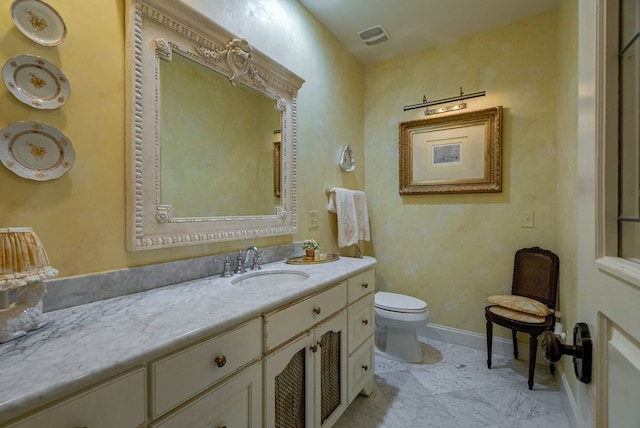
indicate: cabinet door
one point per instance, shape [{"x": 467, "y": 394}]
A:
[
  {"x": 289, "y": 384},
  {"x": 331, "y": 370},
  {"x": 119, "y": 402},
  {"x": 235, "y": 403}
]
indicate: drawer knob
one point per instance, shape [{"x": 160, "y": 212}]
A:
[
  {"x": 317, "y": 310},
  {"x": 314, "y": 348},
  {"x": 365, "y": 285},
  {"x": 220, "y": 360},
  {"x": 365, "y": 367},
  {"x": 365, "y": 321}
]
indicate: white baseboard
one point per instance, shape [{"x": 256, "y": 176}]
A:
[
  {"x": 465, "y": 338},
  {"x": 477, "y": 341},
  {"x": 569, "y": 402}
]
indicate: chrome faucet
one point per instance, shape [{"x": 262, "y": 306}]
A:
[
  {"x": 240, "y": 260},
  {"x": 226, "y": 267},
  {"x": 257, "y": 258}
]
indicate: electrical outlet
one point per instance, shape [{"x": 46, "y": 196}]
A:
[
  {"x": 312, "y": 218},
  {"x": 526, "y": 218}
]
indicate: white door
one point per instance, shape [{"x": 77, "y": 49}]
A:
[{"x": 608, "y": 291}]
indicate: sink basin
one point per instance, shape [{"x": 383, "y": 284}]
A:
[{"x": 270, "y": 278}]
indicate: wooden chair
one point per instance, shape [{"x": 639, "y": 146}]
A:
[{"x": 535, "y": 275}]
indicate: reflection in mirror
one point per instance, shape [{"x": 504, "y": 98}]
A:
[
  {"x": 204, "y": 105},
  {"x": 216, "y": 157}
]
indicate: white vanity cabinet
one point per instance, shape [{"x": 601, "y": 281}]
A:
[
  {"x": 305, "y": 369},
  {"x": 119, "y": 402},
  {"x": 301, "y": 363},
  {"x": 361, "y": 315}
]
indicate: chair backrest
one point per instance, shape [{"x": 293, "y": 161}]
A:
[{"x": 535, "y": 275}]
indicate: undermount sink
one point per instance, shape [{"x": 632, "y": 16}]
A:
[{"x": 269, "y": 278}]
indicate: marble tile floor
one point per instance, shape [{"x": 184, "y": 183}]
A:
[{"x": 454, "y": 388}]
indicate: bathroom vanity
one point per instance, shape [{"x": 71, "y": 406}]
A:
[{"x": 207, "y": 351}]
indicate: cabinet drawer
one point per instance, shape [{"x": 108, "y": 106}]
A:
[
  {"x": 236, "y": 402},
  {"x": 185, "y": 373},
  {"x": 361, "y": 285},
  {"x": 361, "y": 321},
  {"x": 286, "y": 323},
  {"x": 361, "y": 369},
  {"x": 119, "y": 402}
]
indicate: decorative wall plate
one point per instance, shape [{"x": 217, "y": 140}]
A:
[
  {"x": 347, "y": 159},
  {"x": 36, "y": 150},
  {"x": 36, "y": 82},
  {"x": 38, "y": 21}
]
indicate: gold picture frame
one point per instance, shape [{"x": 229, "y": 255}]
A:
[{"x": 459, "y": 153}]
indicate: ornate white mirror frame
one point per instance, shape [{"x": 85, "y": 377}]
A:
[{"x": 155, "y": 30}]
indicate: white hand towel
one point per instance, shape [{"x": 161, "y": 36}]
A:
[
  {"x": 353, "y": 219},
  {"x": 360, "y": 201}
]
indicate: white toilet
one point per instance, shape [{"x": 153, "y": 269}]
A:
[{"x": 397, "y": 318}]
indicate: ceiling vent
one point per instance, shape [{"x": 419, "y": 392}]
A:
[{"x": 374, "y": 35}]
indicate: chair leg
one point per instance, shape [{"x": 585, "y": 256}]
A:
[
  {"x": 489, "y": 342},
  {"x": 515, "y": 343},
  {"x": 533, "y": 350}
]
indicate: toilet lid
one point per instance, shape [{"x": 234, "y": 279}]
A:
[{"x": 399, "y": 302}]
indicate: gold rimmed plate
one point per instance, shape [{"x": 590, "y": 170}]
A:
[
  {"x": 36, "y": 151},
  {"x": 38, "y": 21},
  {"x": 36, "y": 82}
]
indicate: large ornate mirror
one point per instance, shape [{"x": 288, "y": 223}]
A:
[{"x": 207, "y": 114}]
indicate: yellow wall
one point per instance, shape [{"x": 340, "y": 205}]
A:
[
  {"x": 455, "y": 250},
  {"x": 81, "y": 217}
]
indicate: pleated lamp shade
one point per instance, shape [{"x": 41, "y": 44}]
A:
[{"x": 23, "y": 259}]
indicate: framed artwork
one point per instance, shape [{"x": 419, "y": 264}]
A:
[{"x": 459, "y": 153}]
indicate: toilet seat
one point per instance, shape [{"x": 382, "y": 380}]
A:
[{"x": 399, "y": 303}]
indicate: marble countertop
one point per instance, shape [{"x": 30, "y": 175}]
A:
[{"x": 85, "y": 344}]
